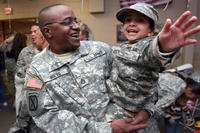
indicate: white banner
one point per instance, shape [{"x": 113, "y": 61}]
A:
[{"x": 126, "y": 3}]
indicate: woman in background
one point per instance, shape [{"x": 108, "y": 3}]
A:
[{"x": 19, "y": 43}]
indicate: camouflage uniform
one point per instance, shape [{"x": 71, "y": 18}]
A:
[
  {"x": 73, "y": 97},
  {"x": 24, "y": 59},
  {"x": 170, "y": 87},
  {"x": 9, "y": 72},
  {"x": 133, "y": 81}
]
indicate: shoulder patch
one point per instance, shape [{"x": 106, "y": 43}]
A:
[{"x": 34, "y": 83}]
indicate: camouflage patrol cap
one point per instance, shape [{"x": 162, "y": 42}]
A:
[
  {"x": 186, "y": 71},
  {"x": 192, "y": 74},
  {"x": 142, "y": 8},
  {"x": 196, "y": 76}
]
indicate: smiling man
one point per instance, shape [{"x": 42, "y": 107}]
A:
[{"x": 65, "y": 88}]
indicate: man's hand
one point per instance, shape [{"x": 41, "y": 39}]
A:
[
  {"x": 125, "y": 126},
  {"x": 174, "y": 36}
]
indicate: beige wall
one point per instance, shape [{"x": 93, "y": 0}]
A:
[{"x": 103, "y": 25}]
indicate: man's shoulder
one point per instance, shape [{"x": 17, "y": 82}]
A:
[
  {"x": 95, "y": 43},
  {"x": 169, "y": 79},
  {"x": 28, "y": 48},
  {"x": 95, "y": 46},
  {"x": 39, "y": 60},
  {"x": 41, "y": 55}
]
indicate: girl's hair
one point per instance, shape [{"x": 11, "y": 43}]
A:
[
  {"x": 195, "y": 86},
  {"x": 151, "y": 24},
  {"x": 19, "y": 43}
]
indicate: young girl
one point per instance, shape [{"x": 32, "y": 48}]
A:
[{"x": 136, "y": 65}]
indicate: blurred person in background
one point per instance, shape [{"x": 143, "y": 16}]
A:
[
  {"x": 179, "y": 90},
  {"x": 2, "y": 86},
  {"x": 181, "y": 111},
  {"x": 8, "y": 73},
  {"x": 85, "y": 32},
  {"x": 19, "y": 42}
]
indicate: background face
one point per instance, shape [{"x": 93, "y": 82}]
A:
[{"x": 37, "y": 37}]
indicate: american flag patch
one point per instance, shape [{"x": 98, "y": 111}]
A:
[{"x": 34, "y": 83}]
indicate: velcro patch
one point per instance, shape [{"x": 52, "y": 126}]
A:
[
  {"x": 34, "y": 83},
  {"x": 33, "y": 103}
]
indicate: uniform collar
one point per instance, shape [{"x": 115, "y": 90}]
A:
[{"x": 57, "y": 63}]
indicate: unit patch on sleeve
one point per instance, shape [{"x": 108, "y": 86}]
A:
[
  {"x": 34, "y": 83},
  {"x": 33, "y": 103}
]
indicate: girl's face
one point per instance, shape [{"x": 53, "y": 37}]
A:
[
  {"x": 189, "y": 94},
  {"x": 136, "y": 26}
]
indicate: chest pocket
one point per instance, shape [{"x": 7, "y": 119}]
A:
[
  {"x": 61, "y": 85},
  {"x": 131, "y": 53},
  {"x": 91, "y": 71},
  {"x": 69, "y": 98}
]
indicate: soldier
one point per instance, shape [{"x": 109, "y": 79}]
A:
[
  {"x": 65, "y": 87},
  {"x": 25, "y": 58},
  {"x": 85, "y": 32},
  {"x": 10, "y": 63},
  {"x": 23, "y": 62}
]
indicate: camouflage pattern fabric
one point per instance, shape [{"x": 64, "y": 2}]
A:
[
  {"x": 196, "y": 76},
  {"x": 191, "y": 73},
  {"x": 170, "y": 88},
  {"x": 134, "y": 77},
  {"x": 73, "y": 97},
  {"x": 24, "y": 59},
  {"x": 10, "y": 68},
  {"x": 133, "y": 82}
]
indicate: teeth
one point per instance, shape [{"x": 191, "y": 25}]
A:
[
  {"x": 132, "y": 31},
  {"x": 75, "y": 35}
]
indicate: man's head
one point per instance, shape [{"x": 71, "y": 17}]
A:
[
  {"x": 85, "y": 32},
  {"x": 139, "y": 20},
  {"x": 60, "y": 28},
  {"x": 37, "y": 38}
]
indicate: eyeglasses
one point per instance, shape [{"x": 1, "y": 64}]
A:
[{"x": 66, "y": 22}]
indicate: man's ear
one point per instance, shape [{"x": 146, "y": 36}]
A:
[{"x": 47, "y": 32}]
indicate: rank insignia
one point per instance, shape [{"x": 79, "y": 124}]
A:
[{"x": 34, "y": 83}]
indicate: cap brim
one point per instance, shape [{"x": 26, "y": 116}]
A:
[{"x": 122, "y": 13}]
